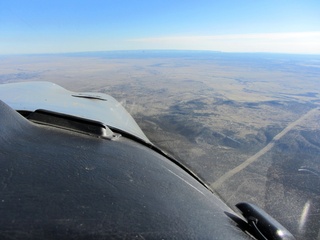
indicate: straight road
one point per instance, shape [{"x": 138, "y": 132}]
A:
[{"x": 270, "y": 145}]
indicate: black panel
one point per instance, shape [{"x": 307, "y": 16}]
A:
[{"x": 58, "y": 184}]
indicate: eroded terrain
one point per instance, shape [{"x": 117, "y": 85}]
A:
[{"x": 247, "y": 124}]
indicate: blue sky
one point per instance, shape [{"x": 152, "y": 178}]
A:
[{"x": 40, "y": 26}]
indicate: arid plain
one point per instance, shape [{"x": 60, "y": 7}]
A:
[{"x": 245, "y": 123}]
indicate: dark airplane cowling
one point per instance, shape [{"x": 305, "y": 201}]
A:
[{"x": 59, "y": 184}]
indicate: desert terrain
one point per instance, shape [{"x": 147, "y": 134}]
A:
[{"x": 247, "y": 124}]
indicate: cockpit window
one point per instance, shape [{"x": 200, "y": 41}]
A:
[{"x": 230, "y": 90}]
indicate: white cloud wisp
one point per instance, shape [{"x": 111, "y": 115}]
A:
[{"x": 296, "y": 42}]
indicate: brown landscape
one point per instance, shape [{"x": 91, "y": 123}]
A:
[{"x": 247, "y": 124}]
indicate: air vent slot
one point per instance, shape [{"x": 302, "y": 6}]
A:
[{"x": 71, "y": 123}]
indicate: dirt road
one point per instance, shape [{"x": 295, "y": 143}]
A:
[{"x": 256, "y": 156}]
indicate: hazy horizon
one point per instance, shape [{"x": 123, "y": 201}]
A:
[
  {"x": 157, "y": 51},
  {"x": 228, "y": 26}
]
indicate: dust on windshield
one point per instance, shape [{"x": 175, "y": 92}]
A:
[{"x": 247, "y": 124}]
